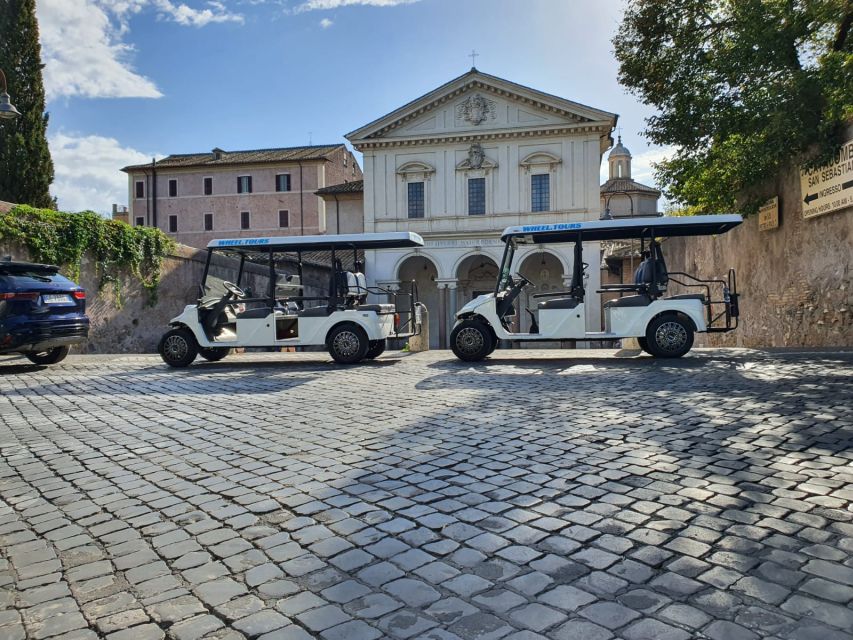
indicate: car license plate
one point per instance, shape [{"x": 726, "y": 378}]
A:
[{"x": 56, "y": 298}]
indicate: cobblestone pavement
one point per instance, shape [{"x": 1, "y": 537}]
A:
[{"x": 533, "y": 496}]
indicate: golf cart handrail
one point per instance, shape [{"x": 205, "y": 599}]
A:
[
  {"x": 388, "y": 240},
  {"x": 633, "y": 228}
]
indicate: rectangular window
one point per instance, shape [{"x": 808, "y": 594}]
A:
[
  {"x": 173, "y": 224},
  {"x": 282, "y": 182},
  {"x": 245, "y": 220},
  {"x": 416, "y": 199},
  {"x": 173, "y": 188},
  {"x": 140, "y": 189},
  {"x": 140, "y": 221},
  {"x": 244, "y": 184},
  {"x": 476, "y": 196},
  {"x": 540, "y": 192},
  {"x": 208, "y": 186},
  {"x": 284, "y": 218},
  {"x": 208, "y": 222}
]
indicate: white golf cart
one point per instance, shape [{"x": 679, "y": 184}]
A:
[
  {"x": 663, "y": 325},
  {"x": 228, "y": 316}
]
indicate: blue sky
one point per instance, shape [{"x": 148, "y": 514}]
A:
[{"x": 128, "y": 79}]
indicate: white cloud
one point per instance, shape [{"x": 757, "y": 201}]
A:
[
  {"x": 325, "y": 23},
  {"x": 87, "y": 171},
  {"x": 312, "y": 5},
  {"x": 189, "y": 17},
  {"x": 84, "y": 55},
  {"x": 83, "y": 45},
  {"x": 641, "y": 165}
]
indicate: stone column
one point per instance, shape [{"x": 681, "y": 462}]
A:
[
  {"x": 452, "y": 293},
  {"x": 442, "y": 315}
]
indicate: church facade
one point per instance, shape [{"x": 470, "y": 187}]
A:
[{"x": 463, "y": 162}]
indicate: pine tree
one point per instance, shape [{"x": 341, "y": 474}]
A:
[{"x": 26, "y": 169}]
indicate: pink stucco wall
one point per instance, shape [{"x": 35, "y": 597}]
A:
[{"x": 264, "y": 203}]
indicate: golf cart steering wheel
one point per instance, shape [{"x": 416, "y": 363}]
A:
[
  {"x": 524, "y": 281},
  {"x": 234, "y": 290}
]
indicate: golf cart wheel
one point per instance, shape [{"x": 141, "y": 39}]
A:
[
  {"x": 214, "y": 354},
  {"x": 644, "y": 344},
  {"x": 471, "y": 340},
  {"x": 51, "y": 356},
  {"x": 178, "y": 347},
  {"x": 669, "y": 336},
  {"x": 347, "y": 343},
  {"x": 375, "y": 350}
]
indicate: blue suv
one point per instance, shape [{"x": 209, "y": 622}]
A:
[{"x": 41, "y": 312}]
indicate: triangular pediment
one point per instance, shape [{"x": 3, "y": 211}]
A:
[{"x": 477, "y": 103}]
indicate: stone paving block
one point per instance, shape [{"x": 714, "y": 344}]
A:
[
  {"x": 261, "y": 622},
  {"x": 371, "y": 606},
  {"x": 610, "y": 615},
  {"x": 725, "y": 630},
  {"x": 353, "y": 630},
  {"x": 195, "y": 628},
  {"x": 577, "y": 629}
]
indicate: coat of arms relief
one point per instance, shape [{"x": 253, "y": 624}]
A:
[{"x": 476, "y": 109}]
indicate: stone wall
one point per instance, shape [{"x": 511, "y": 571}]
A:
[
  {"x": 122, "y": 318},
  {"x": 794, "y": 281}
]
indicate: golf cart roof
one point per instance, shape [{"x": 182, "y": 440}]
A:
[
  {"x": 390, "y": 240},
  {"x": 623, "y": 229}
]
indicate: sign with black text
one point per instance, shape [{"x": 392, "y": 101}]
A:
[
  {"x": 768, "y": 214},
  {"x": 830, "y": 187}
]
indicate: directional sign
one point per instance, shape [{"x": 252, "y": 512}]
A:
[{"x": 829, "y": 187}]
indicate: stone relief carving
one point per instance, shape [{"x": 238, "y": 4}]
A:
[
  {"x": 476, "y": 160},
  {"x": 476, "y": 155},
  {"x": 476, "y": 109}
]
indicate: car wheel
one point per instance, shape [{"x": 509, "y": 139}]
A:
[
  {"x": 178, "y": 347},
  {"x": 347, "y": 343},
  {"x": 471, "y": 340},
  {"x": 51, "y": 356},
  {"x": 375, "y": 350},
  {"x": 214, "y": 354},
  {"x": 644, "y": 344},
  {"x": 669, "y": 336}
]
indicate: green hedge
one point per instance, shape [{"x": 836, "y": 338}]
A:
[{"x": 55, "y": 237}]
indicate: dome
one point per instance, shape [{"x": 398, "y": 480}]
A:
[{"x": 619, "y": 150}]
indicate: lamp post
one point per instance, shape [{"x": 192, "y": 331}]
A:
[{"x": 7, "y": 109}]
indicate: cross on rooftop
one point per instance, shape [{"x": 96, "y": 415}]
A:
[{"x": 473, "y": 55}]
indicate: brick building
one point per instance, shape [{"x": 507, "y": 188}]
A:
[{"x": 201, "y": 196}]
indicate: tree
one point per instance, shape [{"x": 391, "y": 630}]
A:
[
  {"x": 26, "y": 169},
  {"x": 743, "y": 89}
]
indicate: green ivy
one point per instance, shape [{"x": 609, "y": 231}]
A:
[{"x": 63, "y": 239}]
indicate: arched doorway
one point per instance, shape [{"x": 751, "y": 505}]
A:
[
  {"x": 423, "y": 271},
  {"x": 475, "y": 275},
  {"x": 545, "y": 271}
]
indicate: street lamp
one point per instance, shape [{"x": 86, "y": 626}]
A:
[{"x": 7, "y": 109}]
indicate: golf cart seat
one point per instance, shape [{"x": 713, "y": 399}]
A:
[
  {"x": 378, "y": 308},
  {"x": 314, "y": 312},
  {"x": 641, "y": 300},
  {"x": 254, "y": 314},
  {"x": 559, "y": 303},
  {"x": 356, "y": 285},
  {"x": 688, "y": 296}
]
